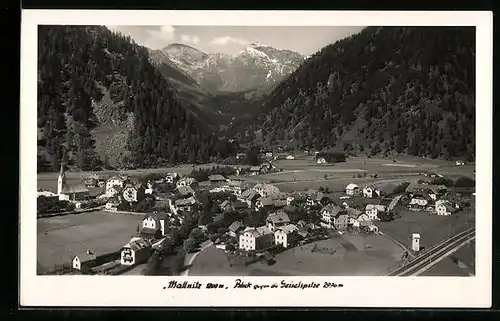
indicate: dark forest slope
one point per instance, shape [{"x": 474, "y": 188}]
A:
[
  {"x": 386, "y": 89},
  {"x": 101, "y": 100}
]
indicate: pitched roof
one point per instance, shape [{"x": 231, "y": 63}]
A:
[
  {"x": 85, "y": 256},
  {"x": 332, "y": 209},
  {"x": 254, "y": 168},
  {"x": 380, "y": 208},
  {"x": 341, "y": 219},
  {"x": 149, "y": 231},
  {"x": 156, "y": 215},
  {"x": 240, "y": 205},
  {"x": 235, "y": 226},
  {"x": 394, "y": 202},
  {"x": 415, "y": 187},
  {"x": 289, "y": 228},
  {"x": 185, "y": 201},
  {"x": 266, "y": 201},
  {"x": 75, "y": 188},
  {"x": 352, "y": 212},
  {"x": 225, "y": 203},
  {"x": 259, "y": 231},
  {"x": 216, "y": 177},
  {"x": 137, "y": 244},
  {"x": 278, "y": 217},
  {"x": 352, "y": 186},
  {"x": 279, "y": 203},
  {"x": 185, "y": 190}
]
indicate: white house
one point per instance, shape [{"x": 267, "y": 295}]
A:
[
  {"x": 112, "y": 204},
  {"x": 289, "y": 200},
  {"x": 290, "y": 157},
  {"x": 286, "y": 235},
  {"x": 415, "y": 244},
  {"x": 171, "y": 177},
  {"x": 154, "y": 225},
  {"x": 352, "y": 189},
  {"x": 136, "y": 251},
  {"x": 419, "y": 201},
  {"x": 328, "y": 215},
  {"x": 133, "y": 193},
  {"x": 185, "y": 204},
  {"x": 256, "y": 239},
  {"x": 362, "y": 220},
  {"x": 114, "y": 184},
  {"x": 445, "y": 207},
  {"x": 459, "y": 163},
  {"x": 83, "y": 260},
  {"x": 185, "y": 181},
  {"x": 321, "y": 160},
  {"x": 371, "y": 192},
  {"x": 372, "y": 210}
]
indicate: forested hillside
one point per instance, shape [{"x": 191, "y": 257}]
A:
[
  {"x": 100, "y": 100},
  {"x": 387, "y": 89}
]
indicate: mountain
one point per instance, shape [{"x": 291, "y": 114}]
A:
[
  {"x": 101, "y": 102},
  {"x": 255, "y": 66},
  {"x": 385, "y": 90}
]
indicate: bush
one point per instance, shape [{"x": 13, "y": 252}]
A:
[
  {"x": 123, "y": 206},
  {"x": 53, "y": 205},
  {"x": 401, "y": 188},
  {"x": 442, "y": 181},
  {"x": 465, "y": 182},
  {"x": 190, "y": 245},
  {"x": 146, "y": 205}
]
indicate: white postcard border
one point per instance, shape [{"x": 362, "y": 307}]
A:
[{"x": 357, "y": 291}]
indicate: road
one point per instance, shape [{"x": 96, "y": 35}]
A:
[
  {"x": 434, "y": 255},
  {"x": 189, "y": 259}
]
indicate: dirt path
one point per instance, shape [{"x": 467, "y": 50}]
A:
[{"x": 189, "y": 259}]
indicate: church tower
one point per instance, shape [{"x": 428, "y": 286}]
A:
[{"x": 61, "y": 180}]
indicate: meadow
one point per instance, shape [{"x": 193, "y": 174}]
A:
[
  {"x": 60, "y": 238},
  {"x": 341, "y": 255}
]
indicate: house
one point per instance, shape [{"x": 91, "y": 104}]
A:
[
  {"x": 67, "y": 192},
  {"x": 371, "y": 192},
  {"x": 136, "y": 251},
  {"x": 445, "y": 208},
  {"x": 150, "y": 188},
  {"x": 289, "y": 200},
  {"x": 216, "y": 178},
  {"x": 459, "y": 163},
  {"x": 235, "y": 228},
  {"x": 133, "y": 192},
  {"x": 266, "y": 190},
  {"x": 154, "y": 225},
  {"x": 256, "y": 239},
  {"x": 185, "y": 191},
  {"x": 433, "y": 191},
  {"x": 286, "y": 235},
  {"x": 47, "y": 194},
  {"x": 341, "y": 221},
  {"x": 85, "y": 260},
  {"x": 254, "y": 170},
  {"x": 239, "y": 205},
  {"x": 91, "y": 181},
  {"x": 321, "y": 160},
  {"x": 171, "y": 177},
  {"x": 185, "y": 204},
  {"x": 363, "y": 221},
  {"x": 328, "y": 215},
  {"x": 226, "y": 206},
  {"x": 353, "y": 215},
  {"x": 352, "y": 189},
  {"x": 112, "y": 204},
  {"x": 372, "y": 210},
  {"x": 277, "y": 219},
  {"x": 114, "y": 185},
  {"x": 269, "y": 155},
  {"x": 290, "y": 157},
  {"x": 185, "y": 181},
  {"x": 419, "y": 202},
  {"x": 240, "y": 155},
  {"x": 264, "y": 202}
]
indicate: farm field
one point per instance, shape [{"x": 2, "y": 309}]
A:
[
  {"x": 350, "y": 258},
  {"x": 59, "y": 238},
  {"x": 431, "y": 227}
]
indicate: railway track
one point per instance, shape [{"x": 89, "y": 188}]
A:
[{"x": 416, "y": 266}]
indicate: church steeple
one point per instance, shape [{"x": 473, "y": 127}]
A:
[{"x": 61, "y": 180}]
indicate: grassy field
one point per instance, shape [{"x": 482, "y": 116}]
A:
[
  {"x": 354, "y": 255},
  {"x": 431, "y": 227},
  {"x": 460, "y": 263},
  {"x": 59, "y": 238}
]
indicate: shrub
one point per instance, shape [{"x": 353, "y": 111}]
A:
[
  {"x": 442, "y": 181},
  {"x": 53, "y": 205},
  {"x": 465, "y": 182},
  {"x": 123, "y": 206}
]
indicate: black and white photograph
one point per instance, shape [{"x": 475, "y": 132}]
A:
[{"x": 196, "y": 150}]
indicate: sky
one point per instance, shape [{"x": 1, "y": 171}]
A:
[{"x": 231, "y": 39}]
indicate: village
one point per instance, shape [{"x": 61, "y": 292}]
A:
[{"x": 247, "y": 221}]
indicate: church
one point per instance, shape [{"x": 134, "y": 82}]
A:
[{"x": 68, "y": 192}]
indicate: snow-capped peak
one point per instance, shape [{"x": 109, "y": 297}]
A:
[
  {"x": 257, "y": 44},
  {"x": 253, "y": 52}
]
